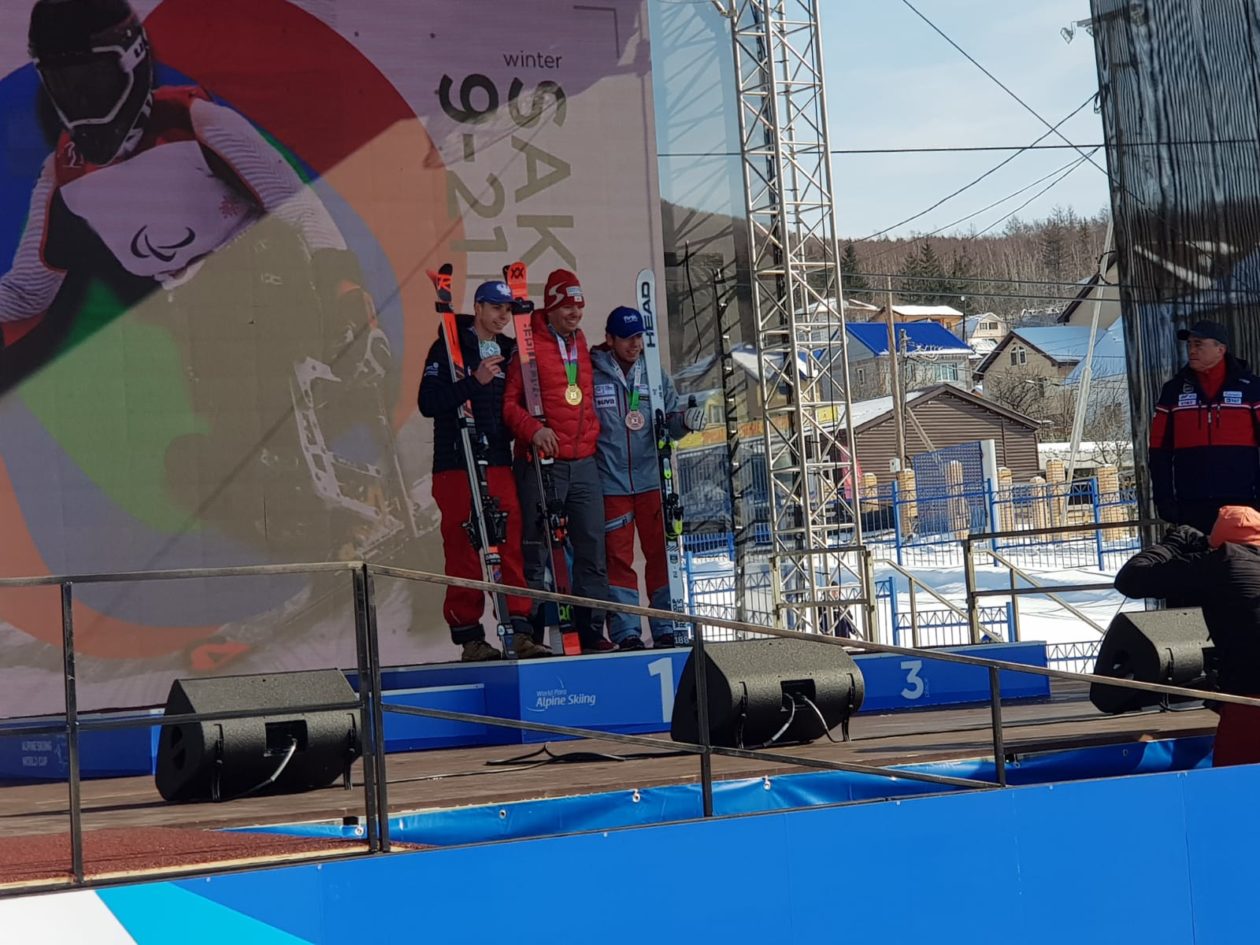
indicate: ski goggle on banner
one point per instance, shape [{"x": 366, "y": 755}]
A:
[{"x": 91, "y": 88}]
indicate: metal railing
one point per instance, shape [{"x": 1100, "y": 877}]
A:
[
  {"x": 371, "y": 706},
  {"x": 367, "y": 703},
  {"x": 915, "y": 586},
  {"x": 983, "y": 542}
]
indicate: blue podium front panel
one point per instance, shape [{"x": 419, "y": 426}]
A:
[{"x": 628, "y": 693}]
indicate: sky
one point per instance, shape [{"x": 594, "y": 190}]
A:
[{"x": 891, "y": 82}]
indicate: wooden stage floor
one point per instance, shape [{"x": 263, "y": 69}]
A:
[{"x": 460, "y": 777}]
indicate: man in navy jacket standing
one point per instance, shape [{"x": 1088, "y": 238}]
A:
[
  {"x": 1204, "y": 446},
  {"x": 485, "y": 349}
]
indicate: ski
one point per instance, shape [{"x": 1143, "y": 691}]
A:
[
  {"x": 555, "y": 522},
  {"x": 671, "y": 502},
  {"x": 487, "y": 522}
]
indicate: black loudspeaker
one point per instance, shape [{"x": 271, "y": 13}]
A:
[
  {"x": 1159, "y": 646},
  {"x": 756, "y": 686},
  {"x": 229, "y": 758}
]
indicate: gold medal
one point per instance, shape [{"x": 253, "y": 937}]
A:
[
  {"x": 573, "y": 395},
  {"x": 635, "y": 420}
]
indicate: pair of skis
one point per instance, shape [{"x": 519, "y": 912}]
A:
[
  {"x": 554, "y": 519},
  {"x": 487, "y": 526},
  {"x": 671, "y": 501}
]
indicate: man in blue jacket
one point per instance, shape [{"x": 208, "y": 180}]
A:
[{"x": 629, "y": 468}]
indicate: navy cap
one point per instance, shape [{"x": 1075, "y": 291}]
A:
[
  {"x": 495, "y": 292},
  {"x": 1205, "y": 329},
  {"x": 624, "y": 322}
]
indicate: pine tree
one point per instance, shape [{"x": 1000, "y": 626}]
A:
[
  {"x": 933, "y": 287},
  {"x": 855, "y": 286},
  {"x": 1055, "y": 239},
  {"x": 962, "y": 270}
]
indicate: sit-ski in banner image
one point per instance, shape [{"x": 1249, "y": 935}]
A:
[{"x": 216, "y": 220}]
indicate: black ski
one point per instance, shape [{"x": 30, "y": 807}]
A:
[
  {"x": 487, "y": 524},
  {"x": 555, "y": 521},
  {"x": 671, "y": 502}
]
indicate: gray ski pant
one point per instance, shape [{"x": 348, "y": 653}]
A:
[{"x": 577, "y": 485}]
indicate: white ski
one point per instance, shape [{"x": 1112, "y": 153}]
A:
[{"x": 671, "y": 502}]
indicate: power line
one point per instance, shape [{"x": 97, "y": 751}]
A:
[
  {"x": 926, "y": 294},
  {"x": 981, "y": 294},
  {"x": 1050, "y": 186},
  {"x": 1128, "y": 145},
  {"x": 1011, "y": 196},
  {"x": 999, "y": 83},
  {"x": 1136, "y": 292},
  {"x": 1072, "y": 165},
  {"x": 965, "y": 187},
  {"x": 970, "y": 293},
  {"x": 960, "y": 149},
  {"x": 1051, "y": 282}
]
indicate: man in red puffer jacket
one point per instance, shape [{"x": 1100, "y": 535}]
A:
[{"x": 569, "y": 437}]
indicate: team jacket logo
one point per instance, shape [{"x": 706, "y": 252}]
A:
[{"x": 165, "y": 252}]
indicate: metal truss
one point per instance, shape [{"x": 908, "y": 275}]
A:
[{"x": 814, "y": 487}]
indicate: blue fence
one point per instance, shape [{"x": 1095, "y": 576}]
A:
[
  {"x": 925, "y": 529},
  {"x": 930, "y": 469},
  {"x": 712, "y": 592},
  {"x": 706, "y": 483},
  {"x": 943, "y": 627},
  {"x": 1076, "y": 657}
]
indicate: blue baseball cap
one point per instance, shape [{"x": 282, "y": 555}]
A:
[
  {"x": 495, "y": 292},
  {"x": 624, "y": 322}
]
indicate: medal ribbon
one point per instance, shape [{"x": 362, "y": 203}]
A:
[
  {"x": 634, "y": 384},
  {"x": 570, "y": 361}
]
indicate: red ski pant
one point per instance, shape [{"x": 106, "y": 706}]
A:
[
  {"x": 1237, "y": 735},
  {"x": 463, "y": 606},
  {"x": 623, "y": 516}
]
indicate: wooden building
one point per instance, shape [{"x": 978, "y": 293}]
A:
[
  {"x": 946, "y": 316},
  {"x": 948, "y": 416}
]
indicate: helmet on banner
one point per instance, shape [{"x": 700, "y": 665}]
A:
[{"x": 94, "y": 60}]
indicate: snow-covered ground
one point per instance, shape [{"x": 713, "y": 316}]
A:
[{"x": 1040, "y": 617}]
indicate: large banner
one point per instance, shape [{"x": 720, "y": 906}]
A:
[{"x": 213, "y": 340}]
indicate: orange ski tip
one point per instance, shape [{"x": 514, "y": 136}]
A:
[
  {"x": 517, "y": 279},
  {"x": 441, "y": 280}
]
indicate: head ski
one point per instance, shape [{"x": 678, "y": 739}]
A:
[{"x": 671, "y": 502}]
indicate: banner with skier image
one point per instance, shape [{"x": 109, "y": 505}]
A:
[{"x": 215, "y": 225}]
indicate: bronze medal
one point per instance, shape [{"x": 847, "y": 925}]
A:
[
  {"x": 573, "y": 395},
  {"x": 635, "y": 420}
]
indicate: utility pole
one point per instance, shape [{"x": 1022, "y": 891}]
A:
[{"x": 894, "y": 375}]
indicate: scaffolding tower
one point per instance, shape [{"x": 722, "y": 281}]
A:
[{"x": 817, "y": 555}]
